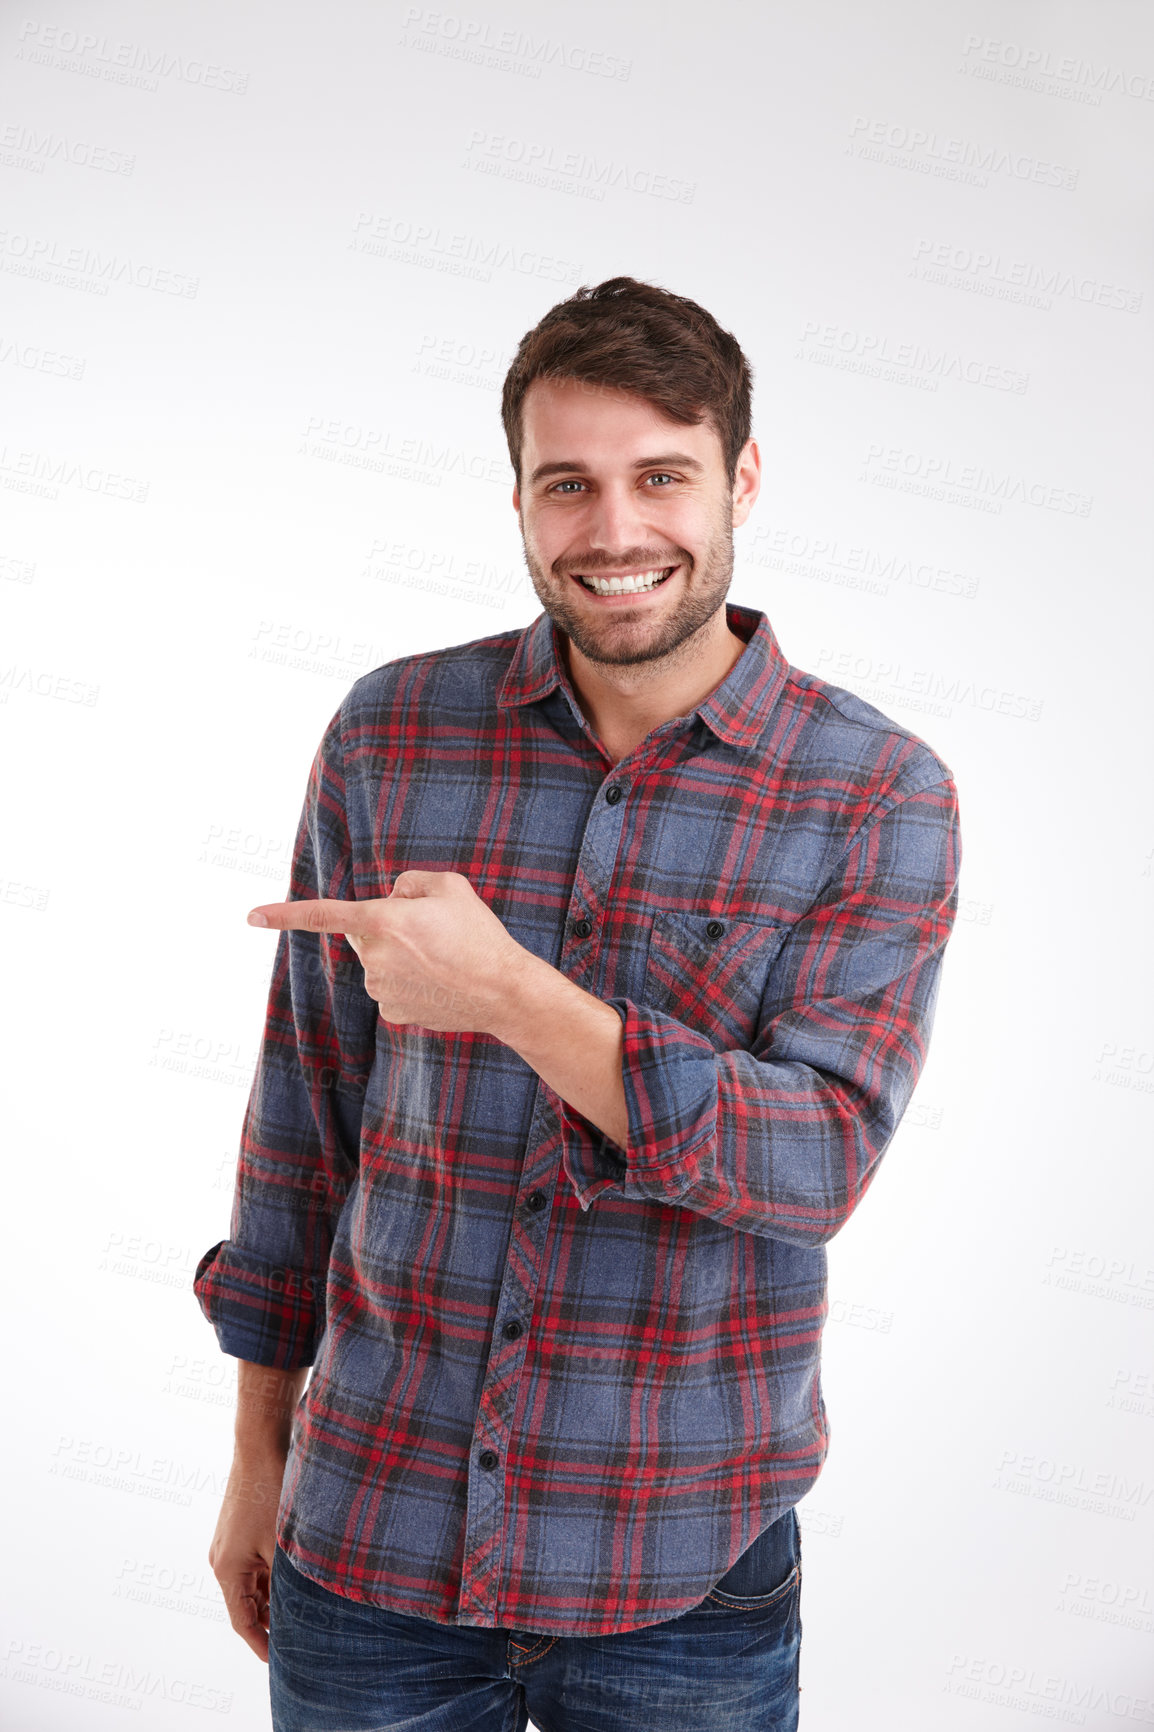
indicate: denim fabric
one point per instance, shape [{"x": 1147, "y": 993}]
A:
[{"x": 728, "y": 1665}]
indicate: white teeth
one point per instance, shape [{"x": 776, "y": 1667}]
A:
[{"x": 631, "y": 583}]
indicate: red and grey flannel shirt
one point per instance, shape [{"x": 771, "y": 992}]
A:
[{"x": 559, "y": 1384}]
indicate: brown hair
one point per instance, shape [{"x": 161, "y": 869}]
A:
[{"x": 633, "y": 336}]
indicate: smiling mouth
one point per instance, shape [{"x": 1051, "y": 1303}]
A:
[{"x": 632, "y": 583}]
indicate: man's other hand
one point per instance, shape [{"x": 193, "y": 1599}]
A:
[{"x": 242, "y": 1548}]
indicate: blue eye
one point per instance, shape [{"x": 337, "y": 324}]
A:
[{"x": 662, "y": 475}]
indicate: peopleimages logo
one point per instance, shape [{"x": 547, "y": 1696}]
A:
[
  {"x": 461, "y": 362},
  {"x": 921, "y": 688},
  {"x": 384, "y": 451},
  {"x": 72, "y": 50},
  {"x": 508, "y": 50},
  {"x": 37, "y": 360},
  {"x": 879, "y": 356},
  {"x": 544, "y": 164},
  {"x": 901, "y": 146},
  {"x": 441, "y": 572},
  {"x": 43, "y": 683},
  {"x": 43, "y": 473},
  {"x": 1101, "y": 1275},
  {"x": 1012, "y": 1684},
  {"x": 80, "y": 267},
  {"x": 1014, "y": 62},
  {"x": 938, "y": 476},
  {"x": 1098, "y": 1492},
  {"x": 432, "y": 248},
  {"x": 1017, "y": 280},
  {"x": 23, "y": 147},
  {"x": 1105, "y": 1601},
  {"x": 114, "y": 1683},
  {"x": 853, "y": 566}
]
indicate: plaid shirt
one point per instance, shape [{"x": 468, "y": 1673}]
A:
[{"x": 558, "y": 1384}]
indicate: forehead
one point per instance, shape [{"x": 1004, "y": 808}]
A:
[{"x": 574, "y": 419}]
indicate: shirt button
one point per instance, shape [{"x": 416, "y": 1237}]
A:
[
  {"x": 715, "y": 929},
  {"x": 536, "y": 1200},
  {"x": 512, "y": 1330},
  {"x": 612, "y": 795},
  {"x": 487, "y": 1459},
  {"x": 582, "y": 928}
]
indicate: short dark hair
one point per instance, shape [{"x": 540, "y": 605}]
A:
[{"x": 633, "y": 336}]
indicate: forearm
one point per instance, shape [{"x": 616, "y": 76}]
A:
[
  {"x": 779, "y": 1131},
  {"x": 571, "y": 1039},
  {"x": 265, "y": 1403}
]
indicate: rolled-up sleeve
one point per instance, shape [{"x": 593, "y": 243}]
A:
[
  {"x": 784, "y": 1138},
  {"x": 263, "y": 1288}
]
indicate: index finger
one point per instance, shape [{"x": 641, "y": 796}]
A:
[{"x": 317, "y": 914}]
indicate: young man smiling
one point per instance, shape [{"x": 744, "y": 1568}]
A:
[
  {"x": 607, "y": 973},
  {"x": 607, "y": 500}
]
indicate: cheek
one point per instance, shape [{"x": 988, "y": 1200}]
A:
[
  {"x": 550, "y": 537},
  {"x": 681, "y": 526}
]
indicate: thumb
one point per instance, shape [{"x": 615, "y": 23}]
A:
[{"x": 415, "y": 883}]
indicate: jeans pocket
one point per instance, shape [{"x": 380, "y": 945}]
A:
[
  {"x": 766, "y": 1573},
  {"x": 756, "y": 1602}
]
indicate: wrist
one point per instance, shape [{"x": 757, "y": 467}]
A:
[
  {"x": 527, "y": 998},
  {"x": 256, "y": 1479},
  {"x": 572, "y": 1039}
]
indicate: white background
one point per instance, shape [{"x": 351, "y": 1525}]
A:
[{"x": 263, "y": 269}]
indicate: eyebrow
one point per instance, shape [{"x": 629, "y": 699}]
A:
[{"x": 671, "y": 460}]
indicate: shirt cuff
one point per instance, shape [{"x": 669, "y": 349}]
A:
[
  {"x": 670, "y": 1078},
  {"x": 261, "y": 1311}
]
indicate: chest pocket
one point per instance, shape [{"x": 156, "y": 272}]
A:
[{"x": 711, "y": 972}]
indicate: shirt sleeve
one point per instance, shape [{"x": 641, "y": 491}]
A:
[
  {"x": 263, "y": 1288},
  {"x": 783, "y": 1139}
]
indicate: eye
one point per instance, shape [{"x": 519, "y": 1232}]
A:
[
  {"x": 570, "y": 483},
  {"x": 662, "y": 475}
]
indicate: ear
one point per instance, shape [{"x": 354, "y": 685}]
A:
[
  {"x": 746, "y": 482},
  {"x": 516, "y": 499}
]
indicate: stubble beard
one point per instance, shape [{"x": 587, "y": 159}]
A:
[{"x": 615, "y": 641}]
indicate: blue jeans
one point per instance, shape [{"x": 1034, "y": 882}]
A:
[{"x": 729, "y": 1665}]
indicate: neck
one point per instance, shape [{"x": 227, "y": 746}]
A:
[{"x": 623, "y": 702}]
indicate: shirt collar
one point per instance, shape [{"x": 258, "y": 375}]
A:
[{"x": 737, "y": 711}]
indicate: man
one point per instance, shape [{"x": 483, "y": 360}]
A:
[{"x": 607, "y": 973}]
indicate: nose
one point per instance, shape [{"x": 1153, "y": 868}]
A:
[{"x": 615, "y": 522}]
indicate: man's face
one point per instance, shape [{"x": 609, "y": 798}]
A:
[{"x": 610, "y": 487}]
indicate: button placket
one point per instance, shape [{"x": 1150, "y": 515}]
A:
[
  {"x": 486, "y": 1512},
  {"x": 599, "y": 848}
]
